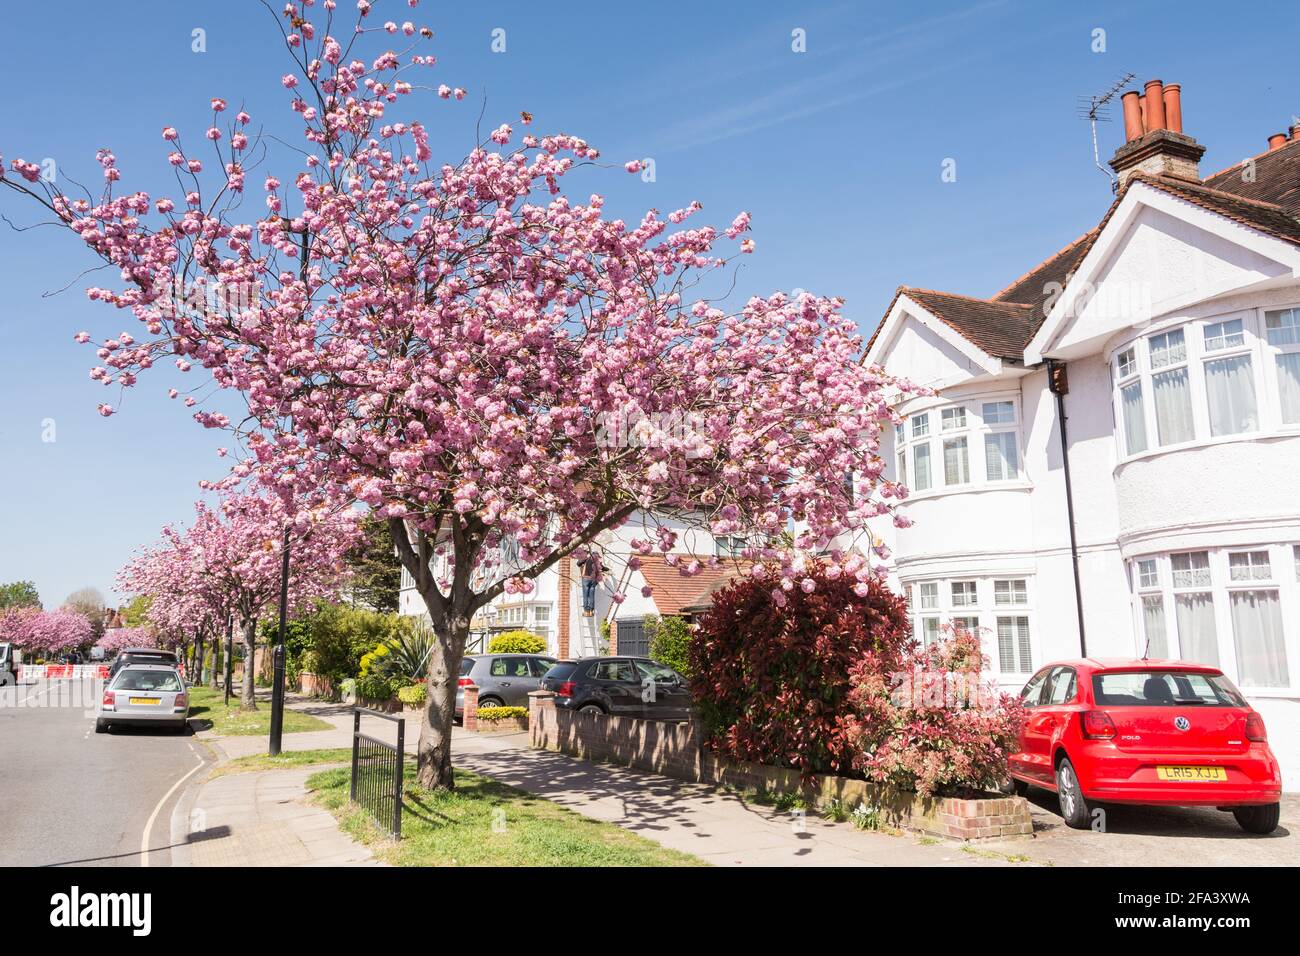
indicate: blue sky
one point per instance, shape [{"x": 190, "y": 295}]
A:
[{"x": 837, "y": 152}]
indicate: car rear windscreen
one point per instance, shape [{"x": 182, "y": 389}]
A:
[
  {"x": 1164, "y": 688},
  {"x": 561, "y": 671},
  {"x": 148, "y": 680},
  {"x": 466, "y": 665}
]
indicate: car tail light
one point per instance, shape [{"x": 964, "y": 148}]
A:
[
  {"x": 566, "y": 689},
  {"x": 108, "y": 699},
  {"x": 465, "y": 682},
  {"x": 1255, "y": 729},
  {"x": 181, "y": 701},
  {"x": 1098, "y": 725}
]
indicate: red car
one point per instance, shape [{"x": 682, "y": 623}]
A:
[{"x": 1153, "y": 732}]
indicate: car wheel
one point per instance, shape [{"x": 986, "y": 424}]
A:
[
  {"x": 1019, "y": 787},
  {"x": 1262, "y": 819},
  {"x": 1074, "y": 808},
  {"x": 489, "y": 702},
  {"x": 591, "y": 709},
  {"x": 101, "y": 726}
]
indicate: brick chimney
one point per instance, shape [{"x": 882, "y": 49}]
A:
[{"x": 1156, "y": 143}]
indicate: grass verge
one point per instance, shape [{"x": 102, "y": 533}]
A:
[
  {"x": 486, "y": 823},
  {"x": 209, "y": 705},
  {"x": 283, "y": 761}
]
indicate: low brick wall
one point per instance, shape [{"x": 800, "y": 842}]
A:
[
  {"x": 315, "y": 685},
  {"x": 506, "y": 725},
  {"x": 675, "y": 750}
]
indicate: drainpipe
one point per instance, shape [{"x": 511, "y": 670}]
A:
[{"x": 1060, "y": 387}]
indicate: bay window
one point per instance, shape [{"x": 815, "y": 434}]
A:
[
  {"x": 1001, "y": 604},
  {"x": 1215, "y": 378},
  {"x": 1230, "y": 608},
  {"x": 948, "y": 454}
]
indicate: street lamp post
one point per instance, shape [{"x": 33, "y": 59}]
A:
[
  {"x": 230, "y": 655},
  {"x": 277, "y": 655}
]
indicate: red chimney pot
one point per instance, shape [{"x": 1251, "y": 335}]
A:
[
  {"x": 1173, "y": 98},
  {"x": 1154, "y": 99},
  {"x": 1132, "y": 101},
  {"x": 1276, "y": 141}
]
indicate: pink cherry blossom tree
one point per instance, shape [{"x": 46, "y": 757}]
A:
[
  {"x": 228, "y": 562},
  {"x": 478, "y": 357},
  {"x": 117, "y": 638},
  {"x": 45, "y": 632}
]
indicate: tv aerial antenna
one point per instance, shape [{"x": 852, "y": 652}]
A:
[{"x": 1096, "y": 109}]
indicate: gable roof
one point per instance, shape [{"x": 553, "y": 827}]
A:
[
  {"x": 1005, "y": 324},
  {"x": 673, "y": 591}
]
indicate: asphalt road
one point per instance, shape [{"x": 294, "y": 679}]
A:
[{"x": 72, "y": 797}]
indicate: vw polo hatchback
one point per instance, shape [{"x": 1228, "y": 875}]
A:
[{"x": 1167, "y": 733}]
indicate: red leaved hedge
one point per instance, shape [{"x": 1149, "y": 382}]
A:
[{"x": 772, "y": 682}]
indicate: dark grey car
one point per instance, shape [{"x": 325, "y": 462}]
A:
[
  {"x": 503, "y": 680},
  {"x": 621, "y": 687}
]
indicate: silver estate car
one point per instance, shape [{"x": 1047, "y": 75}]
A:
[
  {"x": 145, "y": 694},
  {"x": 503, "y": 680}
]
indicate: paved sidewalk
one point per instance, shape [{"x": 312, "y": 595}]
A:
[
  {"x": 711, "y": 824},
  {"x": 259, "y": 819}
]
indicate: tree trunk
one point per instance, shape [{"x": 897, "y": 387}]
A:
[
  {"x": 247, "y": 688},
  {"x": 198, "y": 660},
  {"x": 216, "y": 661},
  {"x": 443, "y": 675}
]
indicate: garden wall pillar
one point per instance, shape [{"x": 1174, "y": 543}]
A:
[{"x": 469, "y": 716}]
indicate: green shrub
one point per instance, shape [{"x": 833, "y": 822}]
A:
[
  {"x": 502, "y": 713},
  {"x": 413, "y": 695},
  {"x": 404, "y": 657},
  {"x": 348, "y": 687},
  {"x": 517, "y": 642},
  {"x": 670, "y": 639},
  {"x": 374, "y": 687}
]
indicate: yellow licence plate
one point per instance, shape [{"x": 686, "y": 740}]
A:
[
  {"x": 146, "y": 700},
  {"x": 1193, "y": 774}
]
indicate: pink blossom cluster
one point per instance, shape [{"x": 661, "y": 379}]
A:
[
  {"x": 47, "y": 632},
  {"x": 117, "y": 638}
]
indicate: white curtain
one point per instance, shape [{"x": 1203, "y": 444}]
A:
[
  {"x": 1000, "y": 459},
  {"x": 1257, "y": 632},
  {"x": 1173, "y": 407},
  {"x": 1230, "y": 388},
  {"x": 1288, "y": 386},
  {"x": 1153, "y": 626},
  {"x": 1135, "y": 424},
  {"x": 921, "y": 466},
  {"x": 1197, "y": 638},
  {"x": 956, "y": 464}
]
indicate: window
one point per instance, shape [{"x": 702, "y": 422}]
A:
[
  {"x": 1295, "y": 553},
  {"x": 971, "y": 625},
  {"x": 1282, "y": 331},
  {"x": 1156, "y": 642},
  {"x": 920, "y": 425},
  {"x": 1173, "y": 405},
  {"x": 964, "y": 594},
  {"x": 1061, "y": 686},
  {"x": 1126, "y": 362},
  {"x": 1034, "y": 689},
  {"x": 1224, "y": 335},
  {"x": 725, "y": 546},
  {"x": 1001, "y": 460},
  {"x": 1249, "y": 566},
  {"x": 1230, "y": 393},
  {"x": 921, "y": 466},
  {"x": 1148, "y": 576},
  {"x": 1155, "y": 688},
  {"x": 541, "y": 613},
  {"x": 930, "y": 631},
  {"x": 954, "y": 418},
  {"x": 1191, "y": 569},
  {"x": 613, "y": 670},
  {"x": 1135, "y": 420},
  {"x": 1167, "y": 349},
  {"x": 1013, "y": 645},
  {"x": 929, "y": 595},
  {"x": 999, "y": 413},
  {"x": 956, "y": 462},
  {"x": 1010, "y": 593}
]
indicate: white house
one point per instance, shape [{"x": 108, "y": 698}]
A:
[
  {"x": 1110, "y": 463},
  {"x": 553, "y": 609}
]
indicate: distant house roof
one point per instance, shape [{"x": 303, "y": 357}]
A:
[{"x": 673, "y": 592}]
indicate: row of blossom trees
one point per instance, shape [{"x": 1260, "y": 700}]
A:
[
  {"x": 45, "y": 632},
  {"x": 457, "y": 344},
  {"x": 227, "y": 565}
]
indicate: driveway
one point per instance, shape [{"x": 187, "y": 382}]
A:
[{"x": 1156, "y": 836}]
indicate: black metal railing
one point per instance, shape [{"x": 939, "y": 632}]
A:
[{"x": 377, "y": 769}]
